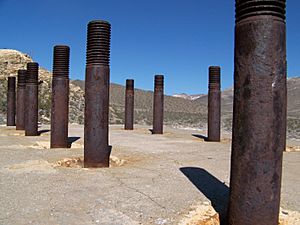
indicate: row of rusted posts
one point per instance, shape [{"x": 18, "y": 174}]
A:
[
  {"x": 96, "y": 148},
  {"x": 26, "y": 107},
  {"x": 158, "y": 105},
  {"x": 214, "y": 104}
]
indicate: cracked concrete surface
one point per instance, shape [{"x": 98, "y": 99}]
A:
[{"x": 162, "y": 178}]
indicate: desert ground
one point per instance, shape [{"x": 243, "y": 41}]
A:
[{"x": 153, "y": 179}]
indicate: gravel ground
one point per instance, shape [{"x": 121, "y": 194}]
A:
[{"x": 154, "y": 179}]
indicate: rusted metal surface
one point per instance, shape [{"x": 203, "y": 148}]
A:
[
  {"x": 11, "y": 101},
  {"x": 60, "y": 97},
  {"x": 31, "y": 111},
  {"x": 158, "y": 105},
  {"x": 259, "y": 122},
  {"x": 129, "y": 104},
  {"x": 96, "y": 149},
  {"x": 214, "y": 104},
  {"x": 21, "y": 102}
]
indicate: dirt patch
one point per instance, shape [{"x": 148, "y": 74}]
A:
[
  {"x": 292, "y": 149},
  {"x": 40, "y": 145},
  {"x": 77, "y": 162},
  {"x": 287, "y": 217},
  {"x": 203, "y": 214},
  {"x": 46, "y": 145}
]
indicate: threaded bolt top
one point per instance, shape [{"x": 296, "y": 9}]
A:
[
  {"x": 248, "y": 8},
  {"x": 22, "y": 78},
  {"x": 11, "y": 84},
  {"x": 214, "y": 77},
  {"x": 98, "y": 43},
  {"x": 159, "y": 81},
  {"x": 32, "y": 73},
  {"x": 129, "y": 84},
  {"x": 61, "y": 58},
  {"x": 214, "y": 74}
]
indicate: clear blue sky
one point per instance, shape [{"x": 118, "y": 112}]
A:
[{"x": 177, "y": 38}]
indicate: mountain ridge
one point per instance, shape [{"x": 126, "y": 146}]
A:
[{"x": 178, "y": 112}]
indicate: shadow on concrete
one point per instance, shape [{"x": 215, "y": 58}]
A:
[
  {"x": 151, "y": 130},
  {"x": 43, "y": 131},
  {"x": 216, "y": 191},
  {"x": 71, "y": 140},
  {"x": 200, "y": 136}
]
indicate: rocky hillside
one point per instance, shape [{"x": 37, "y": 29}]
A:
[
  {"x": 293, "y": 121},
  {"x": 178, "y": 111},
  {"x": 10, "y": 62}
]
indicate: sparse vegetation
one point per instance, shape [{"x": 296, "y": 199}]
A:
[{"x": 179, "y": 112}]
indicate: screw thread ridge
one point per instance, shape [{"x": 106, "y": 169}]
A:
[
  {"x": 61, "y": 59},
  {"x": 32, "y": 73},
  {"x": 98, "y": 43},
  {"x": 214, "y": 75},
  {"x": 159, "y": 80},
  {"x": 129, "y": 84},
  {"x": 11, "y": 84},
  {"x": 22, "y": 78},
  {"x": 248, "y": 8}
]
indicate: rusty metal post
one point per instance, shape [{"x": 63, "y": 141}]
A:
[
  {"x": 11, "y": 101},
  {"x": 129, "y": 104},
  {"x": 96, "y": 149},
  {"x": 259, "y": 121},
  {"x": 214, "y": 104},
  {"x": 158, "y": 105},
  {"x": 60, "y": 97},
  {"x": 31, "y": 111},
  {"x": 21, "y": 102}
]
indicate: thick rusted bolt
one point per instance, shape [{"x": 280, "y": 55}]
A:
[
  {"x": 60, "y": 97},
  {"x": 259, "y": 120},
  {"x": 96, "y": 148},
  {"x": 21, "y": 102},
  {"x": 129, "y": 104},
  {"x": 11, "y": 101},
  {"x": 214, "y": 104},
  {"x": 158, "y": 105},
  {"x": 31, "y": 111}
]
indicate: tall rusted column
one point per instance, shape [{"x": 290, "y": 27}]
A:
[
  {"x": 96, "y": 149},
  {"x": 31, "y": 113},
  {"x": 214, "y": 104},
  {"x": 60, "y": 97},
  {"x": 158, "y": 105},
  {"x": 129, "y": 104},
  {"x": 11, "y": 101},
  {"x": 21, "y": 101},
  {"x": 259, "y": 122}
]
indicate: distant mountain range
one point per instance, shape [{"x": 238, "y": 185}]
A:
[{"x": 181, "y": 110}]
